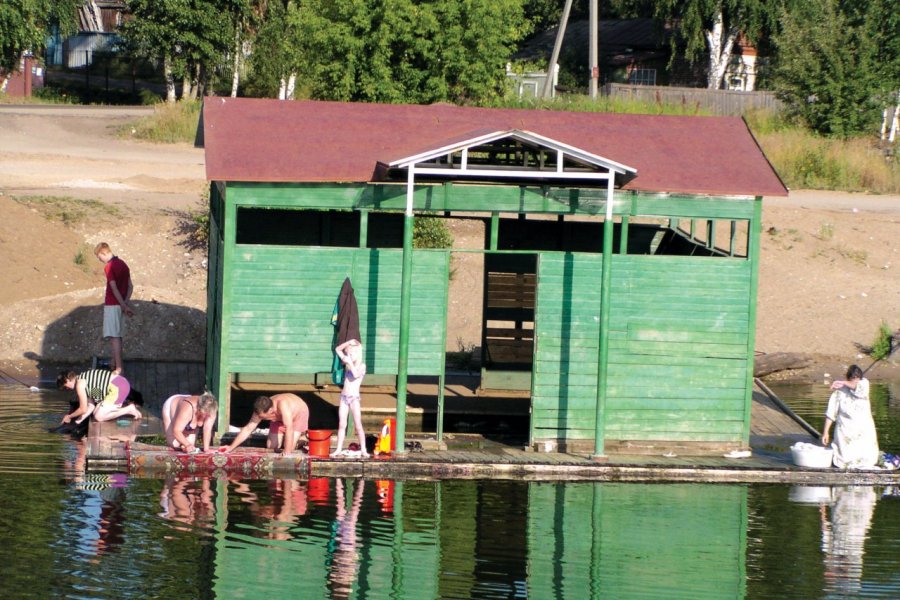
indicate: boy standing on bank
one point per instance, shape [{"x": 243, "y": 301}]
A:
[{"x": 116, "y": 302}]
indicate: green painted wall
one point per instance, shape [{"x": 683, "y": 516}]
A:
[
  {"x": 678, "y": 355},
  {"x": 678, "y": 351},
  {"x": 282, "y": 299},
  {"x": 567, "y": 334}
]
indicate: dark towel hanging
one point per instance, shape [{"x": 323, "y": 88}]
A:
[
  {"x": 345, "y": 319},
  {"x": 348, "y": 315}
]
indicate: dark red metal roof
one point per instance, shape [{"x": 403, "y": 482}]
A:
[{"x": 306, "y": 141}]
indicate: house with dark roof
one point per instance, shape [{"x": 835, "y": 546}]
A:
[
  {"x": 639, "y": 52},
  {"x": 621, "y": 257}
]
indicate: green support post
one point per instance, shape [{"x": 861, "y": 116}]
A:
[
  {"x": 229, "y": 236},
  {"x": 623, "y": 235},
  {"x": 602, "y": 355},
  {"x": 405, "y": 310},
  {"x": 731, "y": 238},
  {"x": 754, "y": 231},
  {"x": 495, "y": 229},
  {"x": 363, "y": 228},
  {"x": 442, "y": 378}
]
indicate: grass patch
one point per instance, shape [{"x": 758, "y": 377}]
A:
[
  {"x": 785, "y": 237},
  {"x": 45, "y": 95},
  {"x": 169, "y": 124},
  {"x": 805, "y": 160},
  {"x": 82, "y": 258},
  {"x": 66, "y": 209},
  {"x": 858, "y": 256},
  {"x": 431, "y": 232},
  {"x": 826, "y": 232},
  {"x": 582, "y": 103}
]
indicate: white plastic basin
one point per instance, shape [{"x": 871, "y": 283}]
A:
[{"x": 812, "y": 456}]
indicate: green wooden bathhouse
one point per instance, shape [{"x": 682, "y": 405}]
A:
[{"x": 620, "y": 253}]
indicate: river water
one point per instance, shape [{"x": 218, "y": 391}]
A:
[{"x": 68, "y": 534}]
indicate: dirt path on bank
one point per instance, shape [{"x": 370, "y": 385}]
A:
[{"x": 829, "y": 275}]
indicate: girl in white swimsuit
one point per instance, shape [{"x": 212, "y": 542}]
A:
[{"x": 351, "y": 353}]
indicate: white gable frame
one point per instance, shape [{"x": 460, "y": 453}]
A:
[
  {"x": 563, "y": 151},
  {"x": 414, "y": 164}
]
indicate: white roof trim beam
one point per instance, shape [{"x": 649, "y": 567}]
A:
[{"x": 511, "y": 173}]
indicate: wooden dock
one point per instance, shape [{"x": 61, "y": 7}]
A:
[{"x": 114, "y": 446}]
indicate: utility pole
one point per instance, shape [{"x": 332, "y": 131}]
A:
[
  {"x": 551, "y": 69},
  {"x": 592, "y": 50}
]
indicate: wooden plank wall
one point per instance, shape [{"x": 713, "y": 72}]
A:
[
  {"x": 567, "y": 338},
  {"x": 679, "y": 335},
  {"x": 283, "y": 298}
]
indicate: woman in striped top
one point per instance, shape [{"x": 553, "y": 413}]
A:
[{"x": 100, "y": 392}]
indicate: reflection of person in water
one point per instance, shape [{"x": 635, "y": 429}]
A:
[
  {"x": 343, "y": 553},
  {"x": 288, "y": 502},
  {"x": 187, "y": 500},
  {"x": 111, "y": 528},
  {"x": 104, "y": 501},
  {"x": 844, "y": 534}
]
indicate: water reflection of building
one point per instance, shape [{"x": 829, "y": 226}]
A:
[{"x": 495, "y": 538}]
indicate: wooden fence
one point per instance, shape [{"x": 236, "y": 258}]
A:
[{"x": 718, "y": 102}]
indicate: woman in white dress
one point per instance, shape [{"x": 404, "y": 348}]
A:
[{"x": 855, "y": 441}]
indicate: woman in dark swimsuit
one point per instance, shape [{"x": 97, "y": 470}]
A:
[{"x": 184, "y": 415}]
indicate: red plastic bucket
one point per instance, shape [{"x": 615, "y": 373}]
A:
[{"x": 319, "y": 442}]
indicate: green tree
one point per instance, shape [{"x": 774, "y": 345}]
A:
[
  {"x": 879, "y": 21},
  {"x": 190, "y": 37},
  {"x": 406, "y": 50},
  {"x": 25, "y": 24},
  {"x": 275, "y": 59},
  {"x": 828, "y": 70}
]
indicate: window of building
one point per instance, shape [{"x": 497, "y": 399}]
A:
[{"x": 642, "y": 76}]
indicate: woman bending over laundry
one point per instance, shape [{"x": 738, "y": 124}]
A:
[
  {"x": 100, "y": 392},
  {"x": 184, "y": 415},
  {"x": 855, "y": 440}
]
